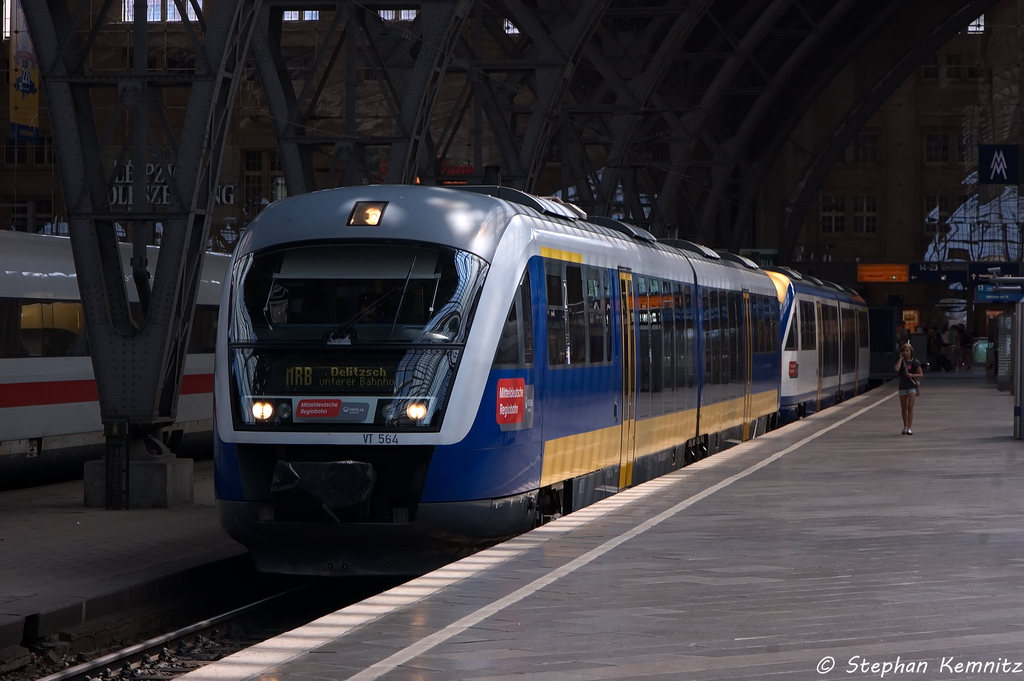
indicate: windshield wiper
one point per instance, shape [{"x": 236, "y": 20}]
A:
[{"x": 402, "y": 299}]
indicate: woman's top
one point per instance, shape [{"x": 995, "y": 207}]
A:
[{"x": 911, "y": 367}]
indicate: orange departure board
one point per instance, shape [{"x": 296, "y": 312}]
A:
[{"x": 883, "y": 272}]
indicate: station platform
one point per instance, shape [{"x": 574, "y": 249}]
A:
[
  {"x": 63, "y": 565},
  {"x": 834, "y": 548},
  {"x": 827, "y": 549}
]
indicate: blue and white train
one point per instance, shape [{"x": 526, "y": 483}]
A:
[
  {"x": 826, "y": 356},
  {"x": 406, "y": 374}
]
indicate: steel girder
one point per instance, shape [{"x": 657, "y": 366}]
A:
[
  {"x": 691, "y": 128},
  {"x": 667, "y": 114},
  {"x": 743, "y": 224},
  {"x": 924, "y": 26},
  {"x": 457, "y": 40},
  {"x": 138, "y": 359},
  {"x": 694, "y": 128},
  {"x": 702, "y": 137}
]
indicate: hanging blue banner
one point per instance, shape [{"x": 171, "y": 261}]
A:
[
  {"x": 24, "y": 92},
  {"x": 997, "y": 164}
]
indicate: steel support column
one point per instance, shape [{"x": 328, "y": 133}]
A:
[{"x": 138, "y": 358}]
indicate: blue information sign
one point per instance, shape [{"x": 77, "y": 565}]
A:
[
  {"x": 987, "y": 293},
  {"x": 980, "y": 271},
  {"x": 997, "y": 164},
  {"x": 938, "y": 271}
]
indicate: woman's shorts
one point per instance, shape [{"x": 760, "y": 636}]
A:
[{"x": 908, "y": 391}]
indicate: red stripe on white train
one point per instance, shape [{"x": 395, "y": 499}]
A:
[{"x": 67, "y": 392}]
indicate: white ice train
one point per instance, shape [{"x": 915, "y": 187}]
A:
[{"x": 49, "y": 410}]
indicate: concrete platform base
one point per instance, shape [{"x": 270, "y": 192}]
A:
[
  {"x": 14, "y": 657},
  {"x": 151, "y": 484}
]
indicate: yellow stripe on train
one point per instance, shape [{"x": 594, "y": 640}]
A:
[
  {"x": 663, "y": 432},
  {"x": 575, "y": 455},
  {"x": 556, "y": 254},
  {"x": 721, "y": 416}
]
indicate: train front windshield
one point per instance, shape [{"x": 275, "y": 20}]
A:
[{"x": 348, "y": 337}]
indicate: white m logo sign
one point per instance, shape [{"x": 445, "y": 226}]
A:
[{"x": 998, "y": 165}]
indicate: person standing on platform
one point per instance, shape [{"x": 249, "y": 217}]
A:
[
  {"x": 944, "y": 341},
  {"x": 966, "y": 347},
  {"x": 909, "y": 371}
]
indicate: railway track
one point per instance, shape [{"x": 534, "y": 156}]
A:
[{"x": 185, "y": 649}]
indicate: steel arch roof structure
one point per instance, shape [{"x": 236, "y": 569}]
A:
[
  {"x": 672, "y": 114},
  {"x": 712, "y": 120}
]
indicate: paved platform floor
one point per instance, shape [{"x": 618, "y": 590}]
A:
[
  {"x": 62, "y": 564},
  {"x": 835, "y": 548}
]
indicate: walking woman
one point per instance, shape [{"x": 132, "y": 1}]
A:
[{"x": 909, "y": 370}]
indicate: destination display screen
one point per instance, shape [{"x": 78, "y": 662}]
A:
[
  {"x": 294, "y": 377},
  {"x": 344, "y": 387}
]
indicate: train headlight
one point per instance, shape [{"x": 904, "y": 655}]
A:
[
  {"x": 262, "y": 410},
  {"x": 417, "y": 411},
  {"x": 367, "y": 213},
  {"x": 284, "y": 410}
]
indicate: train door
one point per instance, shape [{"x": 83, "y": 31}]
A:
[
  {"x": 627, "y": 328},
  {"x": 748, "y": 365},
  {"x": 821, "y": 352}
]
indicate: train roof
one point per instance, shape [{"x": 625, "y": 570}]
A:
[
  {"x": 469, "y": 221},
  {"x": 807, "y": 283},
  {"x": 43, "y": 266},
  {"x": 470, "y": 218},
  {"x": 37, "y": 266}
]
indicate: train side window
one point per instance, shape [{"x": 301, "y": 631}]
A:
[
  {"x": 682, "y": 343},
  {"x": 668, "y": 325},
  {"x": 203, "y": 338},
  {"x": 689, "y": 330},
  {"x": 760, "y": 320},
  {"x": 577, "y": 315},
  {"x": 32, "y": 328},
  {"x": 654, "y": 316},
  {"x": 739, "y": 363},
  {"x": 10, "y": 328},
  {"x": 791, "y": 335},
  {"x": 735, "y": 338},
  {"x": 829, "y": 340},
  {"x": 746, "y": 339},
  {"x": 736, "y": 348},
  {"x": 756, "y": 335},
  {"x": 656, "y": 341},
  {"x": 515, "y": 346},
  {"x": 848, "y": 329},
  {"x": 712, "y": 341},
  {"x": 725, "y": 323},
  {"x": 706, "y": 333},
  {"x": 526, "y": 314},
  {"x": 597, "y": 316},
  {"x": 558, "y": 340},
  {"x": 773, "y": 324},
  {"x": 644, "y": 349},
  {"x": 862, "y": 329},
  {"x": 772, "y": 317},
  {"x": 808, "y": 326},
  {"x": 770, "y": 329},
  {"x": 679, "y": 345}
]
